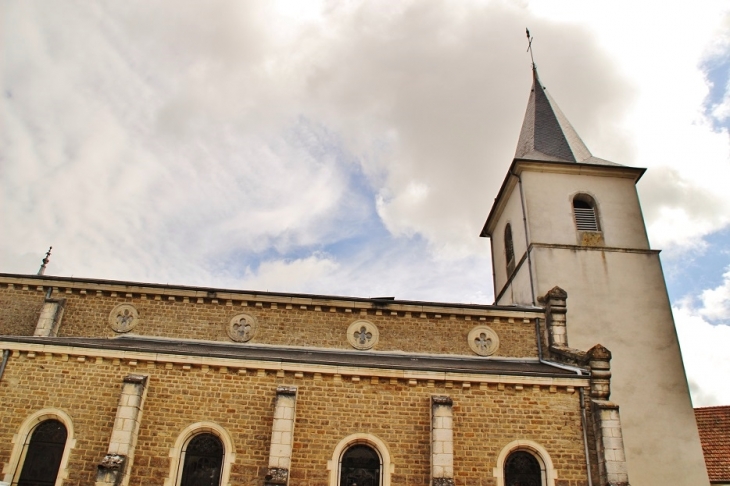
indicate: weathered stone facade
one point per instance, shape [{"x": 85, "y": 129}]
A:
[{"x": 286, "y": 403}]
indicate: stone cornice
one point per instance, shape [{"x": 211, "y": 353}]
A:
[
  {"x": 139, "y": 360},
  {"x": 200, "y": 295}
]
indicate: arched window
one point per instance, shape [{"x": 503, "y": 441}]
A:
[
  {"x": 202, "y": 461},
  {"x": 202, "y": 456},
  {"x": 585, "y": 213},
  {"x": 360, "y": 460},
  {"x": 41, "y": 449},
  {"x": 524, "y": 463},
  {"x": 522, "y": 469},
  {"x": 360, "y": 466},
  {"x": 43, "y": 454},
  {"x": 509, "y": 249}
]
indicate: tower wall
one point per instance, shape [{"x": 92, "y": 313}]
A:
[{"x": 618, "y": 298}]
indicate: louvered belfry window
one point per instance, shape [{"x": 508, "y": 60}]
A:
[{"x": 584, "y": 211}]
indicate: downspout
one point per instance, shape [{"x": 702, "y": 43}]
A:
[
  {"x": 561, "y": 366},
  {"x": 527, "y": 239},
  {"x": 6, "y": 355},
  {"x": 494, "y": 275},
  {"x": 584, "y": 421},
  {"x": 583, "y": 418}
]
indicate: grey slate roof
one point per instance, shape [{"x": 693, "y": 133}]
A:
[
  {"x": 547, "y": 135},
  {"x": 330, "y": 357}
]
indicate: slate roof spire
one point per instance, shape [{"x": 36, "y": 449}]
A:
[{"x": 547, "y": 135}]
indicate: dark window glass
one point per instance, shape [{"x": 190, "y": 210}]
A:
[
  {"x": 509, "y": 249},
  {"x": 44, "y": 453},
  {"x": 203, "y": 461},
  {"x": 360, "y": 467},
  {"x": 522, "y": 469}
]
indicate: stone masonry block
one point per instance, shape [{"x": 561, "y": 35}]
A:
[
  {"x": 444, "y": 435},
  {"x": 286, "y": 438},
  {"x": 442, "y": 459},
  {"x": 276, "y": 437}
]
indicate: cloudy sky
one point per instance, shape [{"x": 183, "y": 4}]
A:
[{"x": 350, "y": 147}]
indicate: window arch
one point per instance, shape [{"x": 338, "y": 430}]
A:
[
  {"x": 522, "y": 469},
  {"x": 41, "y": 449},
  {"x": 524, "y": 462},
  {"x": 360, "y": 466},
  {"x": 585, "y": 213},
  {"x": 202, "y": 461},
  {"x": 202, "y": 456},
  {"x": 509, "y": 249},
  {"x": 360, "y": 458}
]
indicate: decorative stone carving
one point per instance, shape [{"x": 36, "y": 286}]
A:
[
  {"x": 443, "y": 482},
  {"x": 362, "y": 334},
  {"x": 110, "y": 470},
  {"x": 123, "y": 318},
  {"x": 112, "y": 461},
  {"x": 277, "y": 475},
  {"x": 442, "y": 400},
  {"x": 242, "y": 328},
  {"x": 483, "y": 341}
]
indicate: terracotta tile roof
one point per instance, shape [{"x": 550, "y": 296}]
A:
[{"x": 714, "y": 426}]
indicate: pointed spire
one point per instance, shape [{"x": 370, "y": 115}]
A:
[{"x": 546, "y": 134}]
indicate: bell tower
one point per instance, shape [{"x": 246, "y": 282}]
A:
[{"x": 564, "y": 217}]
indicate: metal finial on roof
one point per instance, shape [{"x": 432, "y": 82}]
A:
[
  {"x": 529, "y": 47},
  {"x": 42, "y": 270}
]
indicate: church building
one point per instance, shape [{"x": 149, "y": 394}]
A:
[{"x": 573, "y": 377}]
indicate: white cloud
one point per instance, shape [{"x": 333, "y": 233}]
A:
[
  {"x": 181, "y": 107},
  {"x": 703, "y": 327},
  {"x": 716, "y": 302}
]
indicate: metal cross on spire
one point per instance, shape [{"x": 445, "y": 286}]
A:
[
  {"x": 42, "y": 270},
  {"x": 529, "y": 47}
]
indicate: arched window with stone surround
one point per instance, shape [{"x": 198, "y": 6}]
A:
[
  {"x": 201, "y": 456},
  {"x": 41, "y": 449},
  {"x": 524, "y": 463},
  {"x": 360, "y": 460},
  {"x": 43, "y": 453},
  {"x": 509, "y": 249},
  {"x": 585, "y": 213},
  {"x": 522, "y": 469},
  {"x": 360, "y": 466}
]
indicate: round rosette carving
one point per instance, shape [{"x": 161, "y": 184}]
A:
[
  {"x": 483, "y": 341},
  {"x": 242, "y": 328},
  {"x": 123, "y": 318},
  {"x": 362, "y": 334}
]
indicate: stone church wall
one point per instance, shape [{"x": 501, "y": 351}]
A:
[{"x": 329, "y": 407}]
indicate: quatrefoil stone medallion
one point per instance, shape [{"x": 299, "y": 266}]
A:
[
  {"x": 242, "y": 328},
  {"x": 483, "y": 341},
  {"x": 123, "y": 318},
  {"x": 362, "y": 334}
]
